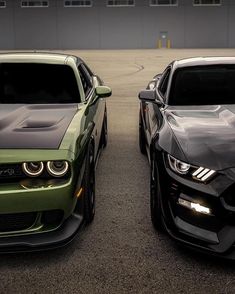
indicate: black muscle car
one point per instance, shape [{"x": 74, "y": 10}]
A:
[{"x": 187, "y": 129}]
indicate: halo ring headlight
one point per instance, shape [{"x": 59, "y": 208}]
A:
[
  {"x": 57, "y": 168},
  {"x": 33, "y": 169}
]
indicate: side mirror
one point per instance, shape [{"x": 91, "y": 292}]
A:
[
  {"x": 103, "y": 91},
  {"x": 150, "y": 96},
  {"x": 147, "y": 95}
]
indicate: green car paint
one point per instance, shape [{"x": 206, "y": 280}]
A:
[{"x": 45, "y": 195}]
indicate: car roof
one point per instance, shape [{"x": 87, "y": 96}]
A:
[
  {"x": 197, "y": 61},
  {"x": 38, "y": 57}
]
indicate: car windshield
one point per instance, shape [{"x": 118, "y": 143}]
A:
[
  {"x": 203, "y": 85},
  {"x": 36, "y": 83}
]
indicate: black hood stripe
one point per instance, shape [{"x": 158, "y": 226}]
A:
[{"x": 34, "y": 126}]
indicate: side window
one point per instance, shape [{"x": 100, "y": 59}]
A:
[
  {"x": 87, "y": 69},
  {"x": 164, "y": 82},
  {"x": 86, "y": 79}
]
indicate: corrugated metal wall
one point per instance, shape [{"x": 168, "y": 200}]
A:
[{"x": 101, "y": 27}]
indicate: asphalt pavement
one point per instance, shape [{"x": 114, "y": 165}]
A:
[{"x": 120, "y": 252}]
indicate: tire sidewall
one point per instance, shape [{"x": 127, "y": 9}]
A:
[
  {"x": 105, "y": 131},
  {"x": 141, "y": 136},
  {"x": 89, "y": 185},
  {"x": 155, "y": 194}
]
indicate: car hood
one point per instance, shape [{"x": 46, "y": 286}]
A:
[
  {"x": 34, "y": 126},
  {"x": 205, "y": 134}
]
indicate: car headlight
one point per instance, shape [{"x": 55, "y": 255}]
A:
[
  {"x": 178, "y": 166},
  {"x": 197, "y": 173},
  {"x": 33, "y": 169},
  {"x": 57, "y": 168}
]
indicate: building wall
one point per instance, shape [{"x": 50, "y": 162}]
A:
[{"x": 101, "y": 27}]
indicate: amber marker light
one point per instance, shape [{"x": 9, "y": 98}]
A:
[{"x": 79, "y": 193}]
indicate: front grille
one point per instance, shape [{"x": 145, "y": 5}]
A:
[
  {"x": 10, "y": 172},
  {"x": 17, "y": 221}
]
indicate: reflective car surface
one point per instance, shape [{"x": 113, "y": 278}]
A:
[
  {"x": 53, "y": 124},
  {"x": 187, "y": 129}
]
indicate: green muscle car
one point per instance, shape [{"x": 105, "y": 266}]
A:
[{"x": 53, "y": 124}]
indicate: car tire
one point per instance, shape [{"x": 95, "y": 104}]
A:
[
  {"x": 155, "y": 194},
  {"x": 104, "y": 133},
  {"x": 142, "y": 140},
  {"x": 89, "y": 186}
]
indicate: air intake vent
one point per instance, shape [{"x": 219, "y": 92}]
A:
[{"x": 17, "y": 221}]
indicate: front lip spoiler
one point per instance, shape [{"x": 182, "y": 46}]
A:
[
  {"x": 229, "y": 254},
  {"x": 43, "y": 241}
]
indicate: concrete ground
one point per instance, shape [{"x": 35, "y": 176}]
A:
[{"x": 121, "y": 252}]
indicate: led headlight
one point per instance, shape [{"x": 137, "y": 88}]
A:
[
  {"x": 33, "y": 169},
  {"x": 197, "y": 173},
  {"x": 57, "y": 168},
  {"x": 178, "y": 166},
  {"x": 203, "y": 174}
]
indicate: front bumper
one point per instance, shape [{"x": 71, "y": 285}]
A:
[
  {"x": 40, "y": 214},
  {"x": 213, "y": 233},
  {"x": 36, "y": 242},
  {"x": 40, "y": 218}
]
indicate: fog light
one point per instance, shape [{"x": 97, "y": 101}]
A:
[{"x": 194, "y": 206}]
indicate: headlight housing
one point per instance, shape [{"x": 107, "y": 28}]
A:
[
  {"x": 57, "y": 168},
  {"x": 33, "y": 169},
  {"x": 197, "y": 173},
  {"x": 178, "y": 166}
]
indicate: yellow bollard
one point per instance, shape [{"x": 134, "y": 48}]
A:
[
  {"x": 168, "y": 44},
  {"x": 159, "y": 44}
]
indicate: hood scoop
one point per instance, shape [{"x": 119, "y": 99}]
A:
[
  {"x": 34, "y": 127},
  {"x": 39, "y": 124}
]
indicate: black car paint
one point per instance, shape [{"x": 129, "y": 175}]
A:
[
  {"x": 23, "y": 126},
  {"x": 202, "y": 131},
  {"x": 202, "y": 136}
]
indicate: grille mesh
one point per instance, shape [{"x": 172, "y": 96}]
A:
[{"x": 17, "y": 221}]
